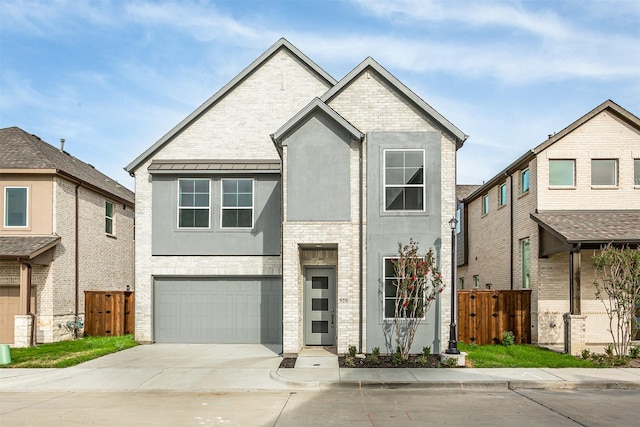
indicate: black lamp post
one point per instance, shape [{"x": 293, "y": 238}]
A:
[{"x": 453, "y": 330}]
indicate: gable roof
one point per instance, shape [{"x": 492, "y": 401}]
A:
[
  {"x": 370, "y": 63},
  {"x": 608, "y": 105},
  {"x": 280, "y": 44},
  {"x": 316, "y": 104},
  {"x": 26, "y": 246},
  {"x": 21, "y": 150}
]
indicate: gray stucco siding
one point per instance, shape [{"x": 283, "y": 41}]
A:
[
  {"x": 318, "y": 175},
  {"x": 385, "y": 229},
  {"x": 262, "y": 239}
]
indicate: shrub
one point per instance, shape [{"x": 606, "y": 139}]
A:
[
  {"x": 634, "y": 352},
  {"x": 422, "y": 360},
  {"x": 426, "y": 351},
  {"x": 353, "y": 350},
  {"x": 508, "y": 339},
  {"x": 375, "y": 351},
  {"x": 349, "y": 362}
]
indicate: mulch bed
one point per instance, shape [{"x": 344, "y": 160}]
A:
[{"x": 433, "y": 361}]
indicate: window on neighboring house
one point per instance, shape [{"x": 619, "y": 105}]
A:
[
  {"x": 562, "y": 173},
  {"x": 390, "y": 288},
  {"x": 476, "y": 281},
  {"x": 485, "y": 204},
  {"x": 194, "y": 203},
  {"x": 108, "y": 217},
  {"x": 458, "y": 220},
  {"x": 237, "y": 203},
  {"x": 404, "y": 180},
  {"x": 462, "y": 283},
  {"x": 604, "y": 172},
  {"x": 525, "y": 254},
  {"x": 16, "y": 206},
  {"x": 524, "y": 181},
  {"x": 502, "y": 196}
]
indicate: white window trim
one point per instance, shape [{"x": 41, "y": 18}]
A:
[
  {"x": 616, "y": 174},
  {"x": 112, "y": 218},
  {"x": 522, "y": 172},
  {"x": 563, "y": 186},
  {"x": 208, "y": 227},
  {"x": 506, "y": 195},
  {"x": 5, "y": 222},
  {"x": 384, "y": 181},
  {"x": 485, "y": 205},
  {"x": 384, "y": 288},
  {"x": 253, "y": 197}
]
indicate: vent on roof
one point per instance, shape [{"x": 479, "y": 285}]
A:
[
  {"x": 35, "y": 136},
  {"x": 91, "y": 165},
  {"x": 62, "y": 144}
]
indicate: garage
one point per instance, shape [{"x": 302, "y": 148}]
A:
[{"x": 218, "y": 310}]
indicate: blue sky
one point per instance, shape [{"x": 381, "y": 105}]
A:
[{"x": 112, "y": 77}]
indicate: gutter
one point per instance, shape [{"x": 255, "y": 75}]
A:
[
  {"x": 360, "y": 244},
  {"x": 76, "y": 262},
  {"x": 280, "y": 153},
  {"x": 512, "y": 237}
]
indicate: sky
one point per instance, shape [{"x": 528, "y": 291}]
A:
[{"x": 112, "y": 77}]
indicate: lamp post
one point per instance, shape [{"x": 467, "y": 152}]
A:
[{"x": 453, "y": 330}]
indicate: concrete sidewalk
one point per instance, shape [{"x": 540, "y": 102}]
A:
[{"x": 212, "y": 368}]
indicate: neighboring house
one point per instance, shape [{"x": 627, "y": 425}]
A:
[
  {"x": 537, "y": 224},
  {"x": 270, "y": 213},
  {"x": 66, "y": 228}
]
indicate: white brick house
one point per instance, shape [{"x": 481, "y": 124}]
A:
[
  {"x": 66, "y": 229},
  {"x": 264, "y": 216},
  {"x": 538, "y": 222}
]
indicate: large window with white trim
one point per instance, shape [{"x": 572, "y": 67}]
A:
[
  {"x": 404, "y": 188},
  {"x": 194, "y": 203},
  {"x": 562, "y": 172},
  {"x": 16, "y": 205},
  {"x": 391, "y": 291},
  {"x": 604, "y": 172},
  {"x": 237, "y": 203}
]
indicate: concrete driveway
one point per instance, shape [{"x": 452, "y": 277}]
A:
[{"x": 159, "y": 367}]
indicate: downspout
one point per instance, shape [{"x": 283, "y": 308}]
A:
[
  {"x": 280, "y": 152},
  {"x": 511, "y": 241},
  {"x": 77, "y": 254},
  {"x": 360, "y": 243}
]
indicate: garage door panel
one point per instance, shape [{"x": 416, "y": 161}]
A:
[{"x": 216, "y": 310}]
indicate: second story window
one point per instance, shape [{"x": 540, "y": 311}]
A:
[
  {"x": 502, "y": 195},
  {"x": 404, "y": 180},
  {"x": 237, "y": 203},
  {"x": 604, "y": 172},
  {"x": 458, "y": 220},
  {"x": 524, "y": 181},
  {"x": 16, "y": 206},
  {"x": 485, "y": 204},
  {"x": 636, "y": 171},
  {"x": 562, "y": 173},
  {"x": 194, "y": 203},
  {"x": 108, "y": 217}
]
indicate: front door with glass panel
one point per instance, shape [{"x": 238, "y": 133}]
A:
[{"x": 319, "y": 306}]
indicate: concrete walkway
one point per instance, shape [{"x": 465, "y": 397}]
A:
[{"x": 211, "y": 368}]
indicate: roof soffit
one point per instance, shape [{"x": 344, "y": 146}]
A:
[{"x": 233, "y": 83}]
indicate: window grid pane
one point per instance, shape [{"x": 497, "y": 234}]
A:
[
  {"x": 404, "y": 180},
  {"x": 108, "y": 223},
  {"x": 193, "y": 203},
  {"x": 237, "y": 203},
  {"x": 390, "y": 288}
]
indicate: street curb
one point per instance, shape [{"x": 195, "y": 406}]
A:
[{"x": 573, "y": 385}]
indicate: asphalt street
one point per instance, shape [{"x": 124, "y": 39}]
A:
[{"x": 349, "y": 407}]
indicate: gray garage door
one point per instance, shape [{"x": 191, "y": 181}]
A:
[{"x": 218, "y": 310}]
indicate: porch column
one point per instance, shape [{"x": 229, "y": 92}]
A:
[
  {"x": 575, "y": 261},
  {"x": 24, "y": 288}
]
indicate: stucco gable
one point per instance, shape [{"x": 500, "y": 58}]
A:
[{"x": 303, "y": 76}]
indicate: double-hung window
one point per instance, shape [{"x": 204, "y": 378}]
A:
[
  {"x": 16, "y": 205},
  {"x": 604, "y": 172},
  {"x": 237, "y": 203},
  {"x": 404, "y": 188},
  {"x": 108, "y": 217},
  {"x": 562, "y": 173},
  {"x": 194, "y": 203},
  {"x": 524, "y": 181},
  {"x": 391, "y": 291},
  {"x": 502, "y": 195}
]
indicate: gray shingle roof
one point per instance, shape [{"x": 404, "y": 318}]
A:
[
  {"x": 26, "y": 246},
  {"x": 592, "y": 226},
  {"x": 21, "y": 150},
  {"x": 173, "y": 166}
]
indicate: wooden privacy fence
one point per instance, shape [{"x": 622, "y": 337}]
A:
[
  {"x": 484, "y": 315},
  {"x": 108, "y": 313}
]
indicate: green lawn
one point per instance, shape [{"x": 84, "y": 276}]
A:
[
  {"x": 67, "y": 353},
  {"x": 520, "y": 356}
]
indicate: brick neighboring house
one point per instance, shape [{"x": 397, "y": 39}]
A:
[
  {"x": 66, "y": 228},
  {"x": 538, "y": 223},
  {"x": 268, "y": 215}
]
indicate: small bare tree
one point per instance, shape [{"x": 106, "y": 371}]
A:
[
  {"x": 618, "y": 287},
  {"x": 418, "y": 283}
]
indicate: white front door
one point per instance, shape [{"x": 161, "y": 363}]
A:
[{"x": 319, "y": 306}]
